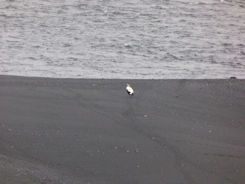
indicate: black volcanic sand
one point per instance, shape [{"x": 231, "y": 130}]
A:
[{"x": 82, "y": 131}]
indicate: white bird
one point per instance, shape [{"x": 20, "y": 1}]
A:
[{"x": 129, "y": 90}]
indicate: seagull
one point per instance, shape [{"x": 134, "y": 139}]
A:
[{"x": 129, "y": 90}]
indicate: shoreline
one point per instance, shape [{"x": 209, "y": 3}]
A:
[
  {"x": 91, "y": 131},
  {"x": 232, "y": 77}
]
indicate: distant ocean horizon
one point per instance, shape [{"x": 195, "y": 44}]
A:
[{"x": 130, "y": 39}]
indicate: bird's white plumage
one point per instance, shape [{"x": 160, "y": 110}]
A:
[{"x": 129, "y": 89}]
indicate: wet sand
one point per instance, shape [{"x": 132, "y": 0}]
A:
[{"x": 90, "y": 131}]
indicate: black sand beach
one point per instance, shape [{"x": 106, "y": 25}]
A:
[{"x": 65, "y": 131}]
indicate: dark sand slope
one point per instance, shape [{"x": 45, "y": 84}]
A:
[{"x": 90, "y": 131}]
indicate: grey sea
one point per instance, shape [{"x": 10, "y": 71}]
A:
[{"x": 145, "y": 39}]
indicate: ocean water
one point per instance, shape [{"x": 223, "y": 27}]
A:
[{"x": 157, "y": 39}]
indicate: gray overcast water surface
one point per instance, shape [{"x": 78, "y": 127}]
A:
[{"x": 123, "y": 39}]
